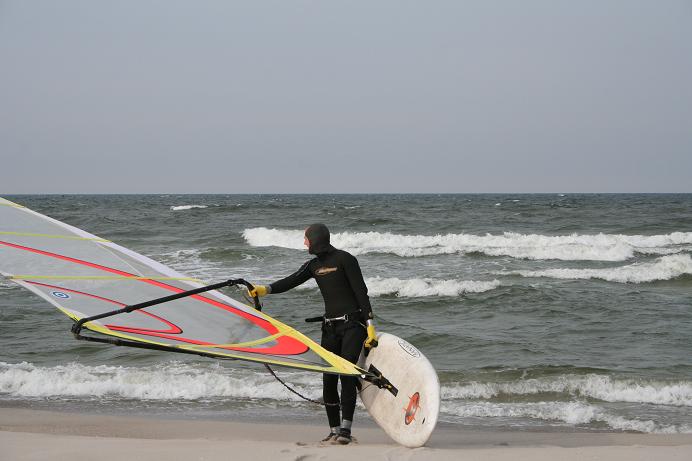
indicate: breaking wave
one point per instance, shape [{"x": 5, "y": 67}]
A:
[
  {"x": 489, "y": 400},
  {"x": 569, "y": 413},
  {"x": 186, "y": 207},
  {"x": 664, "y": 268},
  {"x": 177, "y": 381},
  {"x": 417, "y": 288},
  {"x": 169, "y": 381},
  {"x": 413, "y": 288},
  {"x": 574, "y": 247},
  {"x": 593, "y": 386}
]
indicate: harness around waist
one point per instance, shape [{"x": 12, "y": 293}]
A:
[{"x": 355, "y": 315}]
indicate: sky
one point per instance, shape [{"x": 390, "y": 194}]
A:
[{"x": 294, "y": 96}]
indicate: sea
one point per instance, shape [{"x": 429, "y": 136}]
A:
[{"x": 540, "y": 312}]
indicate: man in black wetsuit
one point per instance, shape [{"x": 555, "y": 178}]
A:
[{"x": 347, "y": 325}]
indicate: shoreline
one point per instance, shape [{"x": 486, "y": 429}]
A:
[{"x": 34, "y": 434}]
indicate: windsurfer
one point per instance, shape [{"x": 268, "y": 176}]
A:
[{"x": 348, "y": 321}]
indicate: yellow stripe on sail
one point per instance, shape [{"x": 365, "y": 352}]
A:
[
  {"x": 323, "y": 369},
  {"x": 342, "y": 365},
  {"x": 255, "y": 342},
  {"x": 337, "y": 365},
  {"x": 98, "y": 277},
  {"x": 52, "y": 236}
]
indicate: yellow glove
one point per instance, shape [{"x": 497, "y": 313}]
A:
[
  {"x": 371, "y": 341},
  {"x": 259, "y": 290}
]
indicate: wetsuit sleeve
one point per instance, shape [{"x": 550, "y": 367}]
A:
[
  {"x": 299, "y": 277},
  {"x": 360, "y": 290}
]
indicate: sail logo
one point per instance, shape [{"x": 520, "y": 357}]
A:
[
  {"x": 412, "y": 408},
  {"x": 409, "y": 349},
  {"x": 60, "y": 294}
]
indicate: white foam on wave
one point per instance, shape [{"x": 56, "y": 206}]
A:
[
  {"x": 417, "y": 288},
  {"x": 179, "y": 381},
  {"x": 170, "y": 381},
  {"x": 571, "y": 413},
  {"x": 593, "y": 386},
  {"x": 413, "y": 288},
  {"x": 264, "y": 237},
  {"x": 187, "y": 207},
  {"x": 467, "y": 400},
  {"x": 190, "y": 262},
  {"x": 664, "y": 268},
  {"x": 575, "y": 247}
]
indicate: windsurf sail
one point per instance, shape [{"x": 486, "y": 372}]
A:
[{"x": 84, "y": 275}]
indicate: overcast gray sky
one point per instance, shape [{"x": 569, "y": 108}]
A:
[{"x": 345, "y": 96}]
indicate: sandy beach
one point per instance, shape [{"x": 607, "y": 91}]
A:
[{"x": 40, "y": 435}]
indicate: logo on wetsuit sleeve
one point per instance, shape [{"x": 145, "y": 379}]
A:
[{"x": 326, "y": 270}]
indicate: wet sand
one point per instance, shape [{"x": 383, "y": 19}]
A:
[{"x": 40, "y": 435}]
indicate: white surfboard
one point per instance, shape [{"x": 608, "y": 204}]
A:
[{"x": 409, "y": 417}]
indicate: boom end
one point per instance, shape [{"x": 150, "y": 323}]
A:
[{"x": 375, "y": 377}]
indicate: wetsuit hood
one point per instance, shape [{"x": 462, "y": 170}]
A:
[{"x": 318, "y": 236}]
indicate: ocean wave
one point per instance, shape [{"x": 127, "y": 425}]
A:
[
  {"x": 186, "y": 207},
  {"x": 599, "y": 387},
  {"x": 417, "y": 288},
  {"x": 177, "y": 381},
  {"x": 190, "y": 263},
  {"x": 413, "y": 288},
  {"x": 170, "y": 381},
  {"x": 574, "y": 247},
  {"x": 664, "y": 268},
  {"x": 571, "y": 413}
]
